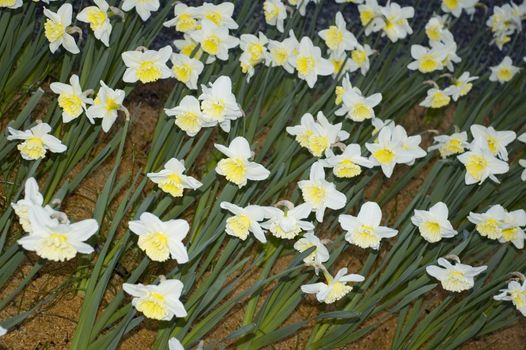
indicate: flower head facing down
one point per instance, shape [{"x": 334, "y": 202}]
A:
[
  {"x": 32, "y": 197},
  {"x": 455, "y": 277},
  {"x": 237, "y": 168},
  {"x": 158, "y": 302},
  {"x": 516, "y": 293},
  {"x": 433, "y": 224},
  {"x": 335, "y": 288},
  {"x": 450, "y": 144},
  {"x": 71, "y": 99},
  {"x": 147, "y": 66},
  {"x": 245, "y": 220},
  {"x": 161, "y": 240},
  {"x": 172, "y": 179},
  {"x": 36, "y": 141}
]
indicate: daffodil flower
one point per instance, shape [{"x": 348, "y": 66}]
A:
[
  {"x": 437, "y": 98},
  {"x": 335, "y": 288},
  {"x": 288, "y": 223},
  {"x": 462, "y": 85},
  {"x": 370, "y": 16},
  {"x": 245, "y": 220},
  {"x": 237, "y": 168},
  {"x": 57, "y": 29},
  {"x": 174, "y": 344},
  {"x": 342, "y": 89},
  {"x": 188, "y": 115},
  {"x": 489, "y": 224},
  {"x": 409, "y": 146},
  {"x": 360, "y": 58},
  {"x": 71, "y": 98},
  {"x": 144, "y": 8},
  {"x": 494, "y": 141},
  {"x": 32, "y": 197},
  {"x": 98, "y": 19},
  {"x": 57, "y": 241},
  {"x": 364, "y": 230},
  {"x": 337, "y": 38},
  {"x": 215, "y": 41},
  {"x": 172, "y": 180},
  {"x": 394, "y": 22},
  {"x": 186, "y": 69},
  {"x": 340, "y": 63},
  {"x": 387, "y": 151},
  {"x": 455, "y": 7},
  {"x": 447, "y": 145},
  {"x": 433, "y": 224},
  {"x": 161, "y": 240},
  {"x": 188, "y": 47},
  {"x": 455, "y": 277},
  {"x": 436, "y": 27},
  {"x": 309, "y": 63},
  {"x": 254, "y": 52},
  {"x": 504, "y": 71},
  {"x": 319, "y": 193},
  {"x": 147, "y": 66},
  {"x": 426, "y": 60},
  {"x": 218, "y": 103},
  {"x": 280, "y": 52},
  {"x": 158, "y": 302},
  {"x": 317, "y": 136},
  {"x": 318, "y": 256},
  {"x": 185, "y": 18},
  {"x": 275, "y": 13},
  {"x": 220, "y": 15},
  {"x": 447, "y": 47},
  {"x": 36, "y": 141},
  {"x": 516, "y": 293},
  {"x": 358, "y": 107},
  {"x": 512, "y": 228},
  {"x": 349, "y": 163},
  {"x": 106, "y": 106},
  {"x": 11, "y": 4},
  {"x": 481, "y": 164}
]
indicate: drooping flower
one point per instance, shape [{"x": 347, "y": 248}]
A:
[
  {"x": 172, "y": 180},
  {"x": 36, "y": 141},
  {"x": 309, "y": 63},
  {"x": 32, "y": 197},
  {"x": 188, "y": 115},
  {"x": 504, "y": 71},
  {"x": 71, "y": 98},
  {"x": 57, "y": 27},
  {"x": 318, "y": 256},
  {"x": 462, "y": 85},
  {"x": 349, "y": 163},
  {"x": 147, "y": 66},
  {"x": 516, "y": 293},
  {"x": 161, "y": 240},
  {"x": 337, "y": 38},
  {"x": 364, "y": 230},
  {"x": 448, "y": 145},
  {"x": 218, "y": 103},
  {"x": 237, "y": 168},
  {"x": 98, "y": 19},
  {"x": 455, "y": 277},
  {"x": 144, "y": 8},
  {"x": 434, "y": 224},
  {"x": 245, "y": 220},
  {"x": 481, "y": 164},
  {"x": 288, "y": 223},
  {"x": 158, "y": 302},
  {"x": 335, "y": 288},
  {"x": 186, "y": 69},
  {"x": 106, "y": 106}
]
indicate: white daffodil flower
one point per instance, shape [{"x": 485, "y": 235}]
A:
[
  {"x": 185, "y": 18},
  {"x": 158, "y": 302},
  {"x": 433, "y": 224},
  {"x": 387, "y": 151},
  {"x": 320, "y": 193},
  {"x": 318, "y": 256},
  {"x": 512, "y": 228},
  {"x": 489, "y": 224},
  {"x": 342, "y": 89},
  {"x": 437, "y": 98},
  {"x": 410, "y": 149},
  {"x": 309, "y": 63},
  {"x": 106, "y": 106},
  {"x": 237, "y": 168},
  {"x": 174, "y": 344},
  {"x": 337, "y": 38},
  {"x": 71, "y": 99},
  {"x": 220, "y": 15},
  {"x": 57, "y": 29},
  {"x": 161, "y": 240},
  {"x": 347, "y": 164},
  {"x": 481, "y": 164},
  {"x": 281, "y": 52},
  {"x": 455, "y": 278},
  {"x": 186, "y": 69},
  {"x": 370, "y": 16},
  {"x": 450, "y": 144},
  {"x": 37, "y": 141},
  {"x": 188, "y": 115},
  {"x": 494, "y": 141},
  {"x": 188, "y": 47},
  {"x": 448, "y": 47},
  {"x": 214, "y": 40},
  {"x": 245, "y": 220},
  {"x": 275, "y": 13},
  {"x": 395, "y": 24},
  {"x": 455, "y": 7},
  {"x": 32, "y": 197},
  {"x": 218, "y": 103},
  {"x": 98, "y": 19},
  {"x": 144, "y": 8},
  {"x": 462, "y": 85},
  {"x": 435, "y": 27},
  {"x": 317, "y": 136},
  {"x": 504, "y": 71},
  {"x": 358, "y": 107},
  {"x": 340, "y": 63},
  {"x": 426, "y": 60},
  {"x": 516, "y": 293},
  {"x": 335, "y": 288},
  {"x": 11, "y": 4},
  {"x": 364, "y": 230},
  {"x": 147, "y": 66},
  {"x": 288, "y": 223},
  {"x": 254, "y": 52},
  {"x": 57, "y": 241},
  {"x": 360, "y": 58},
  {"x": 172, "y": 180}
]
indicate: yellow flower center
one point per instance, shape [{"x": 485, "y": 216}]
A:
[
  {"x": 452, "y": 146},
  {"x": 54, "y": 30},
  {"x": 509, "y": 234},
  {"x": 7, "y": 3},
  {"x": 366, "y": 237},
  {"x": 451, "y": 4},
  {"x": 33, "y": 148},
  {"x": 464, "y": 87},
  {"x": 360, "y": 111},
  {"x": 256, "y": 52},
  {"x": 476, "y": 165},
  {"x": 214, "y": 108},
  {"x": 384, "y": 155},
  {"x": 439, "y": 99},
  {"x": 518, "y": 298},
  {"x": 185, "y": 23},
  {"x": 337, "y": 64},
  {"x": 155, "y": 244},
  {"x": 346, "y": 168},
  {"x": 504, "y": 74},
  {"x": 318, "y": 144},
  {"x": 427, "y": 63},
  {"x": 189, "y": 48},
  {"x": 96, "y": 18},
  {"x": 303, "y": 139},
  {"x": 271, "y": 11},
  {"x": 215, "y": 17},
  {"x": 148, "y": 71},
  {"x": 338, "y": 291},
  {"x": 56, "y": 247},
  {"x": 71, "y": 104},
  {"x": 153, "y": 306},
  {"x": 492, "y": 144},
  {"x": 334, "y": 37},
  {"x": 314, "y": 195},
  {"x": 111, "y": 105},
  {"x": 188, "y": 122},
  {"x": 489, "y": 228},
  {"x": 359, "y": 56},
  {"x": 280, "y": 233},
  {"x": 366, "y": 15},
  {"x": 455, "y": 282},
  {"x": 430, "y": 230},
  {"x": 280, "y": 55},
  {"x": 234, "y": 169},
  {"x": 433, "y": 32},
  {"x": 182, "y": 72},
  {"x": 172, "y": 184},
  {"x": 239, "y": 225},
  {"x": 211, "y": 44},
  {"x": 305, "y": 64},
  {"x": 340, "y": 91}
]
